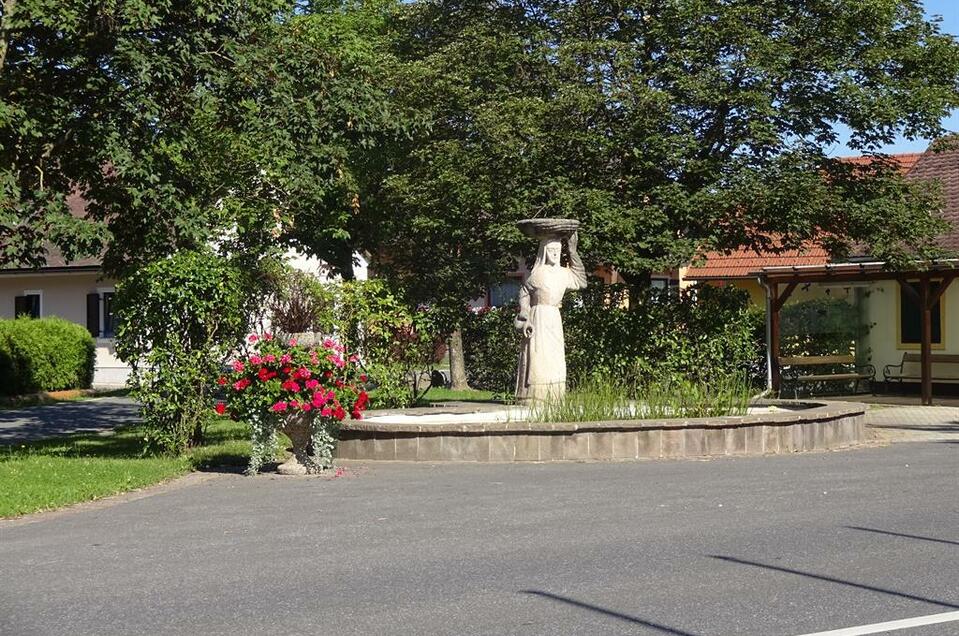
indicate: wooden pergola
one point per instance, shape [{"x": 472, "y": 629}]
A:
[{"x": 781, "y": 282}]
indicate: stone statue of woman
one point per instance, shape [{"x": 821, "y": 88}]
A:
[{"x": 541, "y": 374}]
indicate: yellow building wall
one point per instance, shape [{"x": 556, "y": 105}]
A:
[{"x": 882, "y": 314}]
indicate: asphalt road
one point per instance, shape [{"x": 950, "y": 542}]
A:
[
  {"x": 93, "y": 415},
  {"x": 766, "y": 546}
]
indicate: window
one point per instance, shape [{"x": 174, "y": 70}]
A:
[
  {"x": 109, "y": 323},
  {"x": 910, "y": 317},
  {"x": 27, "y": 305},
  {"x": 505, "y": 293}
]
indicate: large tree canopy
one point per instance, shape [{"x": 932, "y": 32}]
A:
[
  {"x": 184, "y": 122},
  {"x": 666, "y": 126}
]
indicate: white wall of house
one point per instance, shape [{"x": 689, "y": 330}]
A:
[{"x": 64, "y": 294}]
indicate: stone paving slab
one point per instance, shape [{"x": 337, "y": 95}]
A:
[
  {"x": 914, "y": 423},
  {"x": 95, "y": 415}
]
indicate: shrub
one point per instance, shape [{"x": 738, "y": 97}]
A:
[
  {"x": 46, "y": 354},
  {"x": 490, "y": 347},
  {"x": 821, "y": 327},
  {"x": 179, "y": 319},
  {"x": 396, "y": 344},
  {"x": 700, "y": 335}
]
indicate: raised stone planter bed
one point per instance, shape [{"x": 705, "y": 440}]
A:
[{"x": 793, "y": 427}]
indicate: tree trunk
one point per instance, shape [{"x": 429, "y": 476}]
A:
[
  {"x": 457, "y": 362},
  {"x": 9, "y": 6}
]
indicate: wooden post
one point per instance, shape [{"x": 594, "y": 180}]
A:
[
  {"x": 774, "y": 337},
  {"x": 925, "y": 304}
]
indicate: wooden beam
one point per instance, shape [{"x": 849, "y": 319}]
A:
[
  {"x": 910, "y": 291},
  {"x": 926, "y": 341},
  {"x": 946, "y": 281},
  {"x": 774, "y": 306},
  {"x": 854, "y": 276},
  {"x": 779, "y": 302}
]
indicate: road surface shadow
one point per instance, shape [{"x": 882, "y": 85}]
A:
[{"x": 608, "y": 612}]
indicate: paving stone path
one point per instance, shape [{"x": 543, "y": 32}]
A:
[
  {"x": 95, "y": 415},
  {"x": 914, "y": 423}
]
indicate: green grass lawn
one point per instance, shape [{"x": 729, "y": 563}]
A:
[
  {"x": 439, "y": 394},
  {"x": 57, "y": 472}
]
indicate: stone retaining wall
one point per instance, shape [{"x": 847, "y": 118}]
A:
[{"x": 821, "y": 426}]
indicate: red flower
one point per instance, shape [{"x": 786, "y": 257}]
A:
[
  {"x": 253, "y": 338},
  {"x": 220, "y": 408},
  {"x": 357, "y": 415},
  {"x": 286, "y": 370},
  {"x": 265, "y": 374},
  {"x": 279, "y": 407},
  {"x": 363, "y": 378},
  {"x": 291, "y": 386},
  {"x": 339, "y": 413}
]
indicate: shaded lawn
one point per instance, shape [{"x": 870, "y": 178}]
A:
[
  {"x": 439, "y": 394},
  {"x": 57, "y": 472}
]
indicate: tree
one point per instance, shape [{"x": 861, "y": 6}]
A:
[
  {"x": 184, "y": 123},
  {"x": 668, "y": 128},
  {"x": 179, "y": 319}
]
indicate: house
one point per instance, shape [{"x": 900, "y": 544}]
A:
[{"x": 907, "y": 326}]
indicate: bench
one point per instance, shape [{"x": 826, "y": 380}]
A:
[
  {"x": 845, "y": 370},
  {"x": 945, "y": 368}
]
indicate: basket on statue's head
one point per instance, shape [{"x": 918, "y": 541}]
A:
[{"x": 548, "y": 228}]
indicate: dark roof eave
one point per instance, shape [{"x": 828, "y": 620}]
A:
[{"x": 36, "y": 271}]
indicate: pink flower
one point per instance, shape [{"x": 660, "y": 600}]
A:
[
  {"x": 293, "y": 342},
  {"x": 256, "y": 360},
  {"x": 329, "y": 344},
  {"x": 354, "y": 358},
  {"x": 312, "y": 384},
  {"x": 326, "y": 412},
  {"x": 268, "y": 336},
  {"x": 294, "y": 404},
  {"x": 253, "y": 337},
  {"x": 285, "y": 358},
  {"x": 241, "y": 384},
  {"x": 337, "y": 360},
  {"x": 319, "y": 399},
  {"x": 238, "y": 366},
  {"x": 270, "y": 358},
  {"x": 279, "y": 407},
  {"x": 291, "y": 386},
  {"x": 306, "y": 406}
]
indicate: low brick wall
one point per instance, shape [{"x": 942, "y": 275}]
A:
[{"x": 819, "y": 426}]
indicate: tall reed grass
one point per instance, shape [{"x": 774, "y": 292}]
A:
[{"x": 599, "y": 400}]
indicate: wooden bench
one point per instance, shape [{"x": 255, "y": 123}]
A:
[
  {"x": 793, "y": 367},
  {"x": 945, "y": 368}
]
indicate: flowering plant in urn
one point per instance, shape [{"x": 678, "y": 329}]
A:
[{"x": 304, "y": 391}]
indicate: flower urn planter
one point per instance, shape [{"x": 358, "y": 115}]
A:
[{"x": 313, "y": 443}]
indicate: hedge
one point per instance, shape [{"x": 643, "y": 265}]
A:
[{"x": 47, "y": 354}]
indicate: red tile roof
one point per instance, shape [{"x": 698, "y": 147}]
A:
[
  {"x": 745, "y": 263},
  {"x": 943, "y": 167}
]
